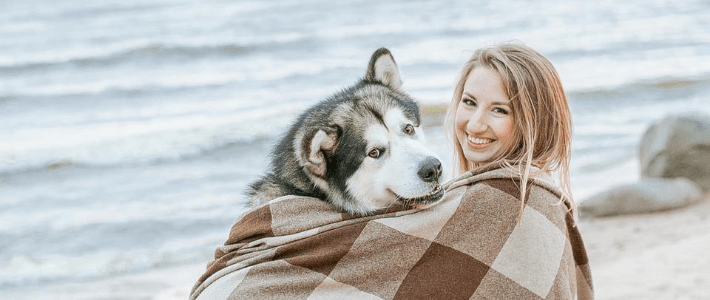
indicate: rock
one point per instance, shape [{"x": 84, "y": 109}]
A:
[
  {"x": 646, "y": 195},
  {"x": 678, "y": 146}
]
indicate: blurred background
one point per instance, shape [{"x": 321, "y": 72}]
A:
[{"x": 130, "y": 129}]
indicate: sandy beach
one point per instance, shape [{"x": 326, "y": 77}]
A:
[{"x": 651, "y": 256}]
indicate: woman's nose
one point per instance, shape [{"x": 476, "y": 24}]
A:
[{"x": 477, "y": 122}]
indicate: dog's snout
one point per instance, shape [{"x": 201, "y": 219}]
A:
[{"x": 430, "y": 169}]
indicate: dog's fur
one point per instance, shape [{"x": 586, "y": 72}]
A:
[{"x": 360, "y": 150}]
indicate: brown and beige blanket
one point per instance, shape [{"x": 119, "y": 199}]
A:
[{"x": 474, "y": 244}]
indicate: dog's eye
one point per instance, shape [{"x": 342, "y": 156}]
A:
[
  {"x": 409, "y": 129},
  {"x": 374, "y": 153}
]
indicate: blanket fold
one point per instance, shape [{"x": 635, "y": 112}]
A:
[{"x": 474, "y": 244}]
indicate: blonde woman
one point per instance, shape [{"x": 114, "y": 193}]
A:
[
  {"x": 511, "y": 129},
  {"x": 522, "y": 115}
]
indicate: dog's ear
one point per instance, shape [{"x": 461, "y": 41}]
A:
[
  {"x": 316, "y": 143},
  {"x": 384, "y": 69}
]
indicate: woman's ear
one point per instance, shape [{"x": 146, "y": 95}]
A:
[{"x": 384, "y": 69}]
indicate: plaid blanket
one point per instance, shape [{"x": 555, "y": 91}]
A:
[{"x": 474, "y": 244}]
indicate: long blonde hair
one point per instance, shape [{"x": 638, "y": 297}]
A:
[{"x": 541, "y": 115}]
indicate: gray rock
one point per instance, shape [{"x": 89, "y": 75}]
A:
[
  {"x": 646, "y": 195},
  {"x": 678, "y": 146}
]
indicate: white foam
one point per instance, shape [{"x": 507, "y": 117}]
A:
[
  {"x": 35, "y": 268},
  {"x": 586, "y": 184},
  {"x": 156, "y": 133},
  {"x": 29, "y": 268},
  {"x": 605, "y": 72},
  {"x": 70, "y": 217}
]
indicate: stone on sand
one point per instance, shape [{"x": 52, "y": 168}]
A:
[
  {"x": 646, "y": 195},
  {"x": 678, "y": 146}
]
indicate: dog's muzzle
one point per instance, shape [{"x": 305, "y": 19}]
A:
[{"x": 430, "y": 173}]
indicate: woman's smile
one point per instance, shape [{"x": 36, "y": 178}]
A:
[{"x": 479, "y": 143}]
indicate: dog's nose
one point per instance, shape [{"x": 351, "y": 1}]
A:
[{"x": 430, "y": 169}]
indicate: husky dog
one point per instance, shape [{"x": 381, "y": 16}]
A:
[{"x": 360, "y": 150}]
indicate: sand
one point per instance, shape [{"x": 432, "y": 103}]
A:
[{"x": 662, "y": 255}]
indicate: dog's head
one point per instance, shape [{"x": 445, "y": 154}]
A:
[{"x": 364, "y": 147}]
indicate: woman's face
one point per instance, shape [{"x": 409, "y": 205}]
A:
[{"x": 484, "y": 119}]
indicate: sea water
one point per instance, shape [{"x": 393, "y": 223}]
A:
[{"x": 130, "y": 129}]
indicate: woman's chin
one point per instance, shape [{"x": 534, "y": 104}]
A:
[{"x": 478, "y": 157}]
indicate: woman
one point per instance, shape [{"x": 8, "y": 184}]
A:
[
  {"x": 511, "y": 127},
  {"x": 524, "y": 109}
]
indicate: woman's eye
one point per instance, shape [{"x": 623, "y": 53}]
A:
[
  {"x": 469, "y": 102},
  {"x": 374, "y": 153},
  {"x": 409, "y": 129},
  {"x": 500, "y": 111}
]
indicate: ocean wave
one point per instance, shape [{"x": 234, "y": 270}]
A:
[
  {"x": 619, "y": 48},
  {"x": 7, "y": 98},
  {"x": 119, "y": 153},
  {"x": 661, "y": 84},
  {"x": 151, "y": 52},
  {"x": 602, "y": 160},
  {"x": 144, "y": 141},
  {"x": 96, "y": 238},
  {"x": 40, "y": 268},
  {"x": 109, "y": 91}
]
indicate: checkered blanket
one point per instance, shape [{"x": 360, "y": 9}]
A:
[{"x": 474, "y": 244}]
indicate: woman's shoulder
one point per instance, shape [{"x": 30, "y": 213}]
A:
[
  {"x": 499, "y": 192},
  {"x": 536, "y": 176},
  {"x": 505, "y": 179}
]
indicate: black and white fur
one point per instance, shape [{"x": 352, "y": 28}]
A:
[{"x": 361, "y": 149}]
